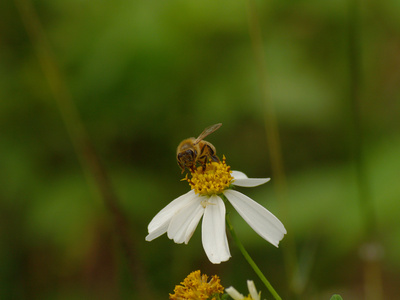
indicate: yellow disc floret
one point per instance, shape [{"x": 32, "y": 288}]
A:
[
  {"x": 196, "y": 287},
  {"x": 212, "y": 179}
]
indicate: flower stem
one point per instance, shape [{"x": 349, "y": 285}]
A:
[
  {"x": 86, "y": 153},
  {"x": 273, "y": 140},
  {"x": 250, "y": 260}
]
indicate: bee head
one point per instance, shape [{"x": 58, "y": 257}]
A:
[{"x": 187, "y": 158}]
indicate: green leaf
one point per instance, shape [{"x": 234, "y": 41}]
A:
[{"x": 336, "y": 297}]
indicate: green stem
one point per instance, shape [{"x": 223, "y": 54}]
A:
[
  {"x": 273, "y": 141},
  {"x": 87, "y": 154},
  {"x": 251, "y": 261}
]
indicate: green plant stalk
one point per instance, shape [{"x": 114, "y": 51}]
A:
[
  {"x": 251, "y": 261},
  {"x": 357, "y": 95},
  {"x": 91, "y": 164},
  {"x": 274, "y": 143}
]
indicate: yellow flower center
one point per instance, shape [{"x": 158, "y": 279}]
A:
[
  {"x": 211, "y": 180},
  {"x": 196, "y": 287}
]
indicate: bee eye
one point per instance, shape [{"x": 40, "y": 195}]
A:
[{"x": 191, "y": 153}]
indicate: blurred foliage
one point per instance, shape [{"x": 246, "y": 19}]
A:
[{"x": 146, "y": 74}]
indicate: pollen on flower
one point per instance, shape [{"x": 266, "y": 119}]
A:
[
  {"x": 211, "y": 180},
  {"x": 196, "y": 287}
]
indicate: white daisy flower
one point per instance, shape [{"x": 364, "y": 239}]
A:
[
  {"x": 253, "y": 295},
  {"x": 180, "y": 218}
]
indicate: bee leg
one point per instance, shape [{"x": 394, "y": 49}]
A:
[
  {"x": 214, "y": 158},
  {"x": 203, "y": 161},
  {"x": 209, "y": 154},
  {"x": 182, "y": 167}
]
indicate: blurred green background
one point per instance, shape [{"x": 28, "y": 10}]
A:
[{"x": 144, "y": 75}]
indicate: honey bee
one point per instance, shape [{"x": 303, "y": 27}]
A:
[{"x": 192, "y": 151}]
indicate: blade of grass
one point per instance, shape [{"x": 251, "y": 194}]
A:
[
  {"x": 372, "y": 269},
  {"x": 273, "y": 139},
  {"x": 95, "y": 172}
]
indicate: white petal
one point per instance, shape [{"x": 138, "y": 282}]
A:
[
  {"x": 252, "y": 290},
  {"x": 159, "y": 224},
  {"x": 250, "y": 182},
  {"x": 157, "y": 232},
  {"x": 234, "y": 293},
  {"x": 215, "y": 242},
  {"x": 241, "y": 179},
  {"x": 259, "y": 218},
  {"x": 185, "y": 221},
  {"x": 238, "y": 175},
  {"x": 193, "y": 224}
]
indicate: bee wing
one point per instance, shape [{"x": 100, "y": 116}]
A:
[{"x": 207, "y": 131}]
